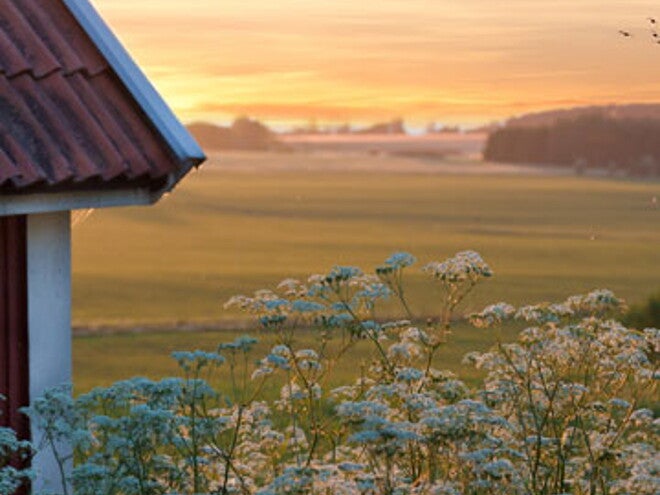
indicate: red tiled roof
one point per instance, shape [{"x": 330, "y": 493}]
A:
[{"x": 66, "y": 120}]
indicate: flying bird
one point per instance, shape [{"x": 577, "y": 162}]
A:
[
  {"x": 625, "y": 34},
  {"x": 652, "y": 20}
]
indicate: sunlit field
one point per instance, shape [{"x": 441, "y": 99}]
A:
[
  {"x": 253, "y": 219},
  {"x": 100, "y": 361}
]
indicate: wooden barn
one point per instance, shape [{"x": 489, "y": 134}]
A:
[{"x": 80, "y": 127}]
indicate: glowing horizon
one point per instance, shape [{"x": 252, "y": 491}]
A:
[{"x": 455, "y": 62}]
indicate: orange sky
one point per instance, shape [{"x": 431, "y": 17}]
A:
[{"x": 452, "y": 61}]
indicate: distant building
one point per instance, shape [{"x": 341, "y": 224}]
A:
[
  {"x": 647, "y": 166},
  {"x": 580, "y": 166}
]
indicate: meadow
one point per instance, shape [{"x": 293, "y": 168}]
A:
[{"x": 250, "y": 220}]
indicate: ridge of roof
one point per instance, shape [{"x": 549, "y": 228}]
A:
[{"x": 180, "y": 141}]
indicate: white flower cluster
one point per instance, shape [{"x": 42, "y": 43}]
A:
[
  {"x": 563, "y": 409},
  {"x": 596, "y": 303},
  {"x": 493, "y": 315},
  {"x": 464, "y": 266}
]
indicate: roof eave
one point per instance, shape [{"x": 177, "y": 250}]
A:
[
  {"x": 180, "y": 141},
  {"x": 28, "y": 204}
]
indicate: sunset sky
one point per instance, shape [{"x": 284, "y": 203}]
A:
[{"x": 451, "y": 61}]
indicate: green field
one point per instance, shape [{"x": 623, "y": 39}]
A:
[
  {"x": 99, "y": 361},
  {"x": 233, "y": 230}
]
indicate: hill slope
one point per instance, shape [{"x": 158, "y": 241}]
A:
[
  {"x": 637, "y": 111},
  {"x": 243, "y": 134}
]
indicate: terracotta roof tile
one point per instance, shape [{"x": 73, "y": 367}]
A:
[{"x": 66, "y": 120}]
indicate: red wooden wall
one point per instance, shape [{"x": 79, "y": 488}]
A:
[{"x": 14, "y": 364}]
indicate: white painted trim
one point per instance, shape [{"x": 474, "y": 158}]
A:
[
  {"x": 179, "y": 139},
  {"x": 21, "y": 204},
  {"x": 49, "y": 325}
]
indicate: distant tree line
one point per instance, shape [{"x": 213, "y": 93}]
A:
[
  {"x": 626, "y": 145},
  {"x": 394, "y": 126}
]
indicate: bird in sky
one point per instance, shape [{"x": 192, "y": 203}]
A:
[
  {"x": 654, "y": 24},
  {"x": 625, "y": 34}
]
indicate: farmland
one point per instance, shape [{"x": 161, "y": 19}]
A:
[{"x": 250, "y": 220}]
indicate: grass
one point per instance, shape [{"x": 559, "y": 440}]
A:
[
  {"x": 228, "y": 231},
  {"x": 100, "y": 361}
]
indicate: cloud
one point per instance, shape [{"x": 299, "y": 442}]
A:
[{"x": 343, "y": 59}]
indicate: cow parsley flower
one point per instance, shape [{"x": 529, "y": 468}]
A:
[
  {"x": 466, "y": 265},
  {"x": 493, "y": 315}
]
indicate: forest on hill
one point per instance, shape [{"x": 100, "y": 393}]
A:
[
  {"x": 620, "y": 145},
  {"x": 631, "y": 111}
]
